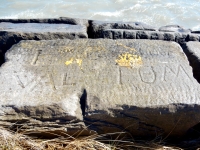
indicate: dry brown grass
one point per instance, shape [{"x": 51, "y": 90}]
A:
[{"x": 10, "y": 140}]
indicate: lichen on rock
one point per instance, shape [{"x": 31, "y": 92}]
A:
[{"x": 129, "y": 60}]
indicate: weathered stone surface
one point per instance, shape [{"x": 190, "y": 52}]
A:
[
  {"x": 174, "y": 28},
  {"x": 60, "y": 20},
  {"x": 143, "y": 87},
  {"x": 181, "y": 38},
  {"x": 192, "y": 50},
  {"x": 43, "y": 28},
  {"x": 97, "y": 28},
  {"x": 149, "y": 97},
  {"x": 133, "y": 34},
  {"x": 169, "y": 36},
  {"x": 120, "y": 30},
  {"x": 153, "y": 35},
  {"x": 193, "y": 37},
  {"x": 13, "y": 33},
  {"x": 129, "y": 34},
  {"x": 29, "y": 93}
]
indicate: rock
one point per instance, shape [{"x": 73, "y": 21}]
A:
[
  {"x": 169, "y": 36},
  {"x": 181, "y": 38},
  {"x": 196, "y": 32},
  {"x": 117, "y": 34},
  {"x": 107, "y": 34},
  {"x": 143, "y": 93},
  {"x": 97, "y": 28},
  {"x": 129, "y": 34},
  {"x": 77, "y": 30},
  {"x": 30, "y": 95},
  {"x": 155, "y": 35},
  {"x": 13, "y": 33},
  {"x": 134, "y": 34},
  {"x": 192, "y": 50},
  {"x": 193, "y": 37},
  {"x": 61, "y": 20},
  {"x": 174, "y": 28},
  {"x": 142, "y": 35},
  {"x": 143, "y": 87}
]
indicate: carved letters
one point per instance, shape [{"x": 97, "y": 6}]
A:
[
  {"x": 35, "y": 58},
  {"x": 145, "y": 74},
  {"x": 30, "y": 85},
  {"x": 173, "y": 73},
  {"x": 19, "y": 81}
]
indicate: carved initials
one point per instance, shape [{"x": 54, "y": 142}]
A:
[
  {"x": 170, "y": 74},
  {"x": 64, "y": 79},
  {"x": 119, "y": 80},
  {"x": 147, "y": 74},
  {"x": 35, "y": 58},
  {"x": 51, "y": 81},
  {"x": 30, "y": 86},
  {"x": 181, "y": 69},
  {"x": 19, "y": 81}
]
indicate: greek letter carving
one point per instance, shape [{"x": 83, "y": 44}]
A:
[{"x": 147, "y": 74}]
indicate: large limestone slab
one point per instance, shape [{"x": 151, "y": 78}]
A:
[
  {"x": 29, "y": 98},
  {"x": 140, "y": 86},
  {"x": 11, "y": 33}
]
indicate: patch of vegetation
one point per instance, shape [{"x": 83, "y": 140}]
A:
[{"x": 10, "y": 140}]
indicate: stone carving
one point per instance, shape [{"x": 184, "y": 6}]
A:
[{"x": 115, "y": 85}]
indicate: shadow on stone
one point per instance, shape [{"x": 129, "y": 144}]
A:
[
  {"x": 193, "y": 58},
  {"x": 83, "y": 101}
]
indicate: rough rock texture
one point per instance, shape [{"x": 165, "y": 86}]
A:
[
  {"x": 43, "y": 28},
  {"x": 192, "y": 50},
  {"x": 30, "y": 97},
  {"x": 60, "y": 20},
  {"x": 13, "y": 33},
  {"x": 143, "y": 87},
  {"x": 174, "y": 28},
  {"x": 137, "y": 30},
  {"x": 97, "y": 28}
]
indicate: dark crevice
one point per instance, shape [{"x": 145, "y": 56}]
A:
[
  {"x": 6, "y": 44},
  {"x": 90, "y": 30},
  {"x": 83, "y": 99},
  {"x": 194, "y": 132},
  {"x": 193, "y": 61}
]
